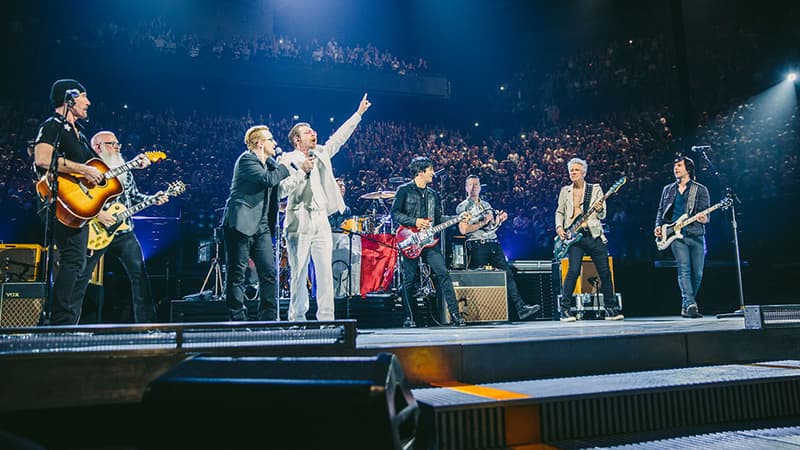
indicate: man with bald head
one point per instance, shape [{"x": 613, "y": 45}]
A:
[{"x": 125, "y": 247}]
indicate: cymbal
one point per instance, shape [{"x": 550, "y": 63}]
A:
[{"x": 378, "y": 195}]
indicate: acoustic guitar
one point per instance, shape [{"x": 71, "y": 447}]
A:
[{"x": 79, "y": 200}]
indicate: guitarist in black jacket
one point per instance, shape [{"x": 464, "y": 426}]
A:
[
  {"x": 250, "y": 222},
  {"x": 688, "y": 196},
  {"x": 416, "y": 205}
]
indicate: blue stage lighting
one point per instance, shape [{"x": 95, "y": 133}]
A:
[{"x": 792, "y": 76}]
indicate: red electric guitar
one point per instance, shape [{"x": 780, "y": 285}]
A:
[{"x": 411, "y": 241}]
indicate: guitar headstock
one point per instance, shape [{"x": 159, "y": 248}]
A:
[
  {"x": 176, "y": 188},
  {"x": 155, "y": 156},
  {"x": 726, "y": 203},
  {"x": 615, "y": 187}
]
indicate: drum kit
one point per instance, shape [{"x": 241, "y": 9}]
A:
[{"x": 375, "y": 222}]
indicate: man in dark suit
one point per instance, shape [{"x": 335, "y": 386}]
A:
[{"x": 250, "y": 222}]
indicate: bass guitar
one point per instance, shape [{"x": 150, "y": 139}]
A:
[
  {"x": 100, "y": 236},
  {"x": 78, "y": 199},
  {"x": 672, "y": 231},
  {"x": 411, "y": 241},
  {"x": 573, "y": 235}
]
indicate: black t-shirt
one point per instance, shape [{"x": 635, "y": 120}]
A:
[{"x": 74, "y": 147}]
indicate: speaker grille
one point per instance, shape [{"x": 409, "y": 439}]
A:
[{"x": 20, "y": 312}]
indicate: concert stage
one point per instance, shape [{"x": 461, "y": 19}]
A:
[{"x": 100, "y": 372}]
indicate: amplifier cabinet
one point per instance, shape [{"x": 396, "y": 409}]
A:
[
  {"x": 21, "y": 304},
  {"x": 481, "y": 295},
  {"x": 19, "y": 262}
]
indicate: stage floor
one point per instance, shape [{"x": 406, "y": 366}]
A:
[{"x": 539, "y": 331}]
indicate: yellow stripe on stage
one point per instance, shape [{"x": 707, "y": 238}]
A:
[{"x": 522, "y": 422}]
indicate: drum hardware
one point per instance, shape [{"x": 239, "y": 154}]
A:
[
  {"x": 216, "y": 269},
  {"x": 378, "y": 195}
]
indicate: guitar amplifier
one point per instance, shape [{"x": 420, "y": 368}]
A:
[
  {"x": 588, "y": 274},
  {"x": 21, "y": 304},
  {"x": 19, "y": 262},
  {"x": 481, "y": 296}
]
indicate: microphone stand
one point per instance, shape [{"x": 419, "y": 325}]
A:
[
  {"x": 734, "y": 225},
  {"x": 50, "y": 206}
]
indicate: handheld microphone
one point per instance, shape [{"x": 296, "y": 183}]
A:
[{"x": 278, "y": 151}]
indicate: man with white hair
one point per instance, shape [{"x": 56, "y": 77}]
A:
[
  {"x": 573, "y": 200},
  {"x": 125, "y": 247}
]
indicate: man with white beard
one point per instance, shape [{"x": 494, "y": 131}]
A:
[{"x": 124, "y": 246}]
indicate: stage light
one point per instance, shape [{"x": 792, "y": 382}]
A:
[
  {"x": 330, "y": 119},
  {"x": 792, "y": 76},
  {"x": 295, "y": 117},
  {"x": 476, "y": 124},
  {"x": 502, "y": 87},
  {"x": 522, "y": 136}
]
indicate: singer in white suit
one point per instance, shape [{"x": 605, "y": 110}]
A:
[{"x": 312, "y": 194}]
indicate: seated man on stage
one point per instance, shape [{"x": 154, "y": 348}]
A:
[
  {"x": 482, "y": 244},
  {"x": 418, "y": 207},
  {"x": 573, "y": 200}
]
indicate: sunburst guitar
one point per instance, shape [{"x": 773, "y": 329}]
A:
[
  {"x": 100, "y": 236},
  {"x": 79, "y": 200}
]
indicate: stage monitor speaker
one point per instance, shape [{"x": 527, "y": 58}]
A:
[
  {"x": 588, "y": 274},
  {"x": 481, "y": 296},
  {"x": 21, "y": 304},
  {"x": 539, "y": 283},
  {"x": 281, "y": 403},
  {"x": 19, "y": 262}
]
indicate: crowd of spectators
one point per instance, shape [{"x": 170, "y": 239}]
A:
[{"x": 160, "y": 37}]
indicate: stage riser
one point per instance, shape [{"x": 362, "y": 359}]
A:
[{"x": 547, "y": 411}]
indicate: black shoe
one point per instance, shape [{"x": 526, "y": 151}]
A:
[
  {"x": 691, "y": 312},
  {"x": 528, "y": 311},
  {"x": 408, "y": 323},
  {"x": 460, "y": 322},
  {"x": 612, "y": 313},
  {"x": 566, "y": 316}
]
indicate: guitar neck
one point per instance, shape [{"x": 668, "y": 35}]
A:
[
  {"x": 705, "y": 211},
  {"x": 119, "y": 170},
  {"x": 138, "y": 207},
  {"x": 444, "y": 225},
  {"x": 579, "y": 222}
]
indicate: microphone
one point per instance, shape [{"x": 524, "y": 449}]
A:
[
  {"x": 697, "y": 148},
  {"x": 278, "y": 151}
]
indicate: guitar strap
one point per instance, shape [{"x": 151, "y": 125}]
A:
[
  {"x": 431, "y": 205},
  {"x": 587, "y": 197},
  {"x": 691, "y": 198}
]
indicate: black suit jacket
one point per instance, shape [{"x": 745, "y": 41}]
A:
[{"x": 253, "y": 183}]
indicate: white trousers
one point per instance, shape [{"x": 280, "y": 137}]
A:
[{"x": 312, "y": 242}]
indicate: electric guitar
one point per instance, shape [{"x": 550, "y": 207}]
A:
[
  {"x": 672, "y": 231},
  {"x": 100, "y": 236},
  {"x": 561, "y": 246},
  {"x": 411, "y": 241},
  {"x": 79, "y": 200}
]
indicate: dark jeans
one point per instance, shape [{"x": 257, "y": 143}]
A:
[
  {"x": 71, "y": 243},
  {"x": 598, "y": 251},
  {"x": 690, "y": 254},
  {"x": 481, "y": 254},
  {"x": 240, "y": 249},
  {"x": 440, "y": 276},
  {"x": 126, "y": 248}
]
